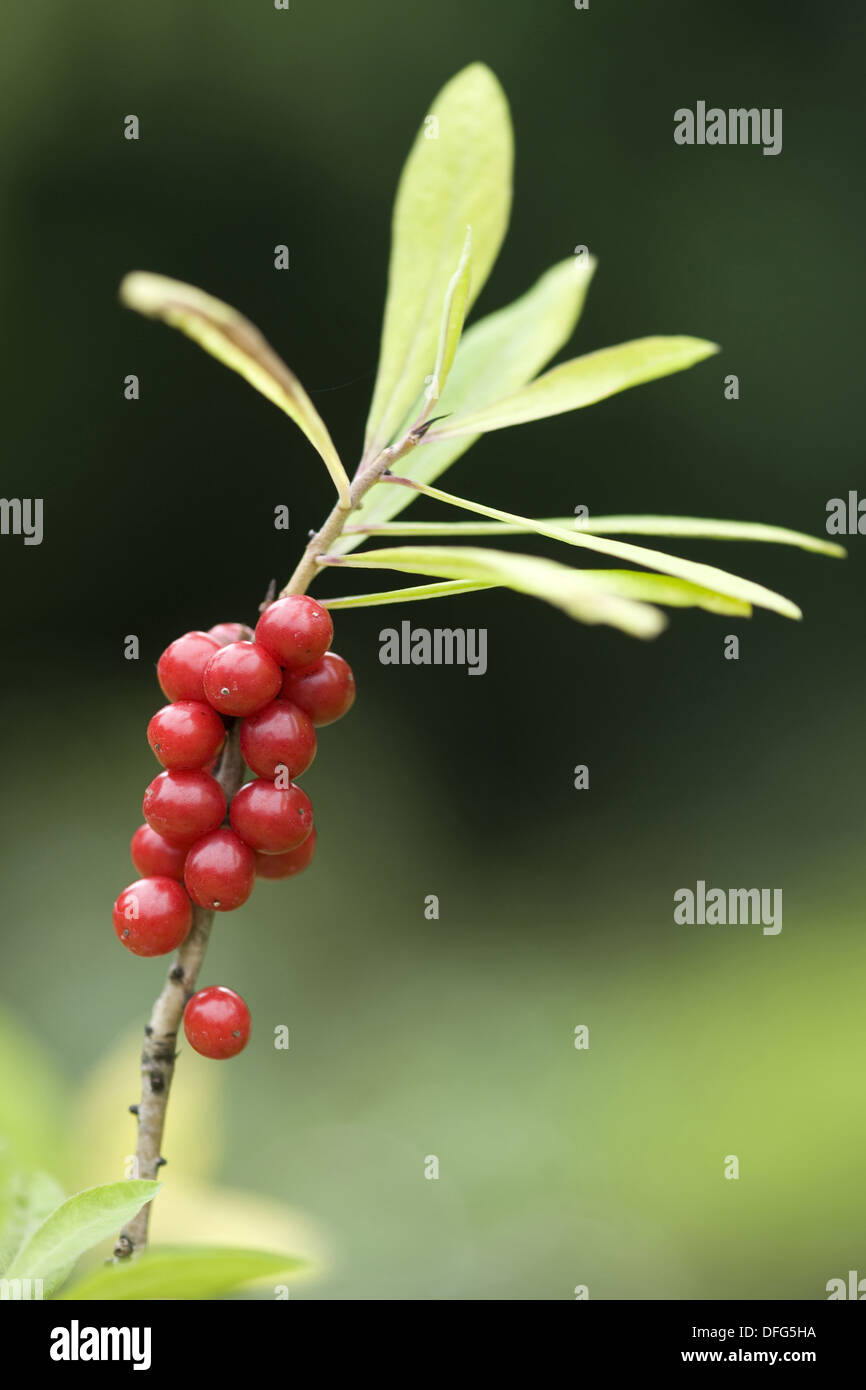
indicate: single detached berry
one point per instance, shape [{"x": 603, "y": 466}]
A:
[
  {"x": 152, "y": 916},
  {"x": 271, "y": 819},
  {"x": 187, "y": 734},
  {"x": 217, "y": 1022},
  {"x": 296, "y": 631},
  {"x": 325, "y": 690},
  {"x": 220, "y": 871},
  {"x": 155, "y": 857},
  {"x": 183, "y": 806},
  {"x": 181, "y": 666},
  {"x": 279, "y": 734},
  {"x": 287, "y": 865},
  {"x": 241, "y": 677},
  {"x": 223, "y": 633}
]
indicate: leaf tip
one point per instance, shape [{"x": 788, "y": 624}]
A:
[
  {"x": 147, "y": 293},
  {"x": 129, "y": 288},
  {"x": 480, "y": 80},
  {"x": 478, "y": 71}
]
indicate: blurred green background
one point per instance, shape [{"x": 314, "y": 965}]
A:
[{"x": 455, "y": 1037}]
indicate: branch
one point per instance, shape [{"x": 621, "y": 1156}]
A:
[
  {"x": 160, "y": 1036},
  {"x": 321, "y": 542}
]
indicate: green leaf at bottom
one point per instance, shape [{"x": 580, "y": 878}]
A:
[
  {"x": 183, "y": 1272},
  {"x": 77, "y": 1224},
  {"x": 26, "y": 1200}
]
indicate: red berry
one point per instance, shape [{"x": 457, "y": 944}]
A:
[
  {"x": 278, "y": 734},
  {"x": 325, "y": 690},
  {"x": 296, "y": 630},
  {"x": 241, "y": 678},
  {"x": 181, "y": 666},
  {"x": 155, "y": 857},
  {"x": 217, "y": 1022},
  {"x": 224, "y": 633},
  {"x": 187, "y": 734},
  {"x": 271, "y": 819},
  {"x": 220, "y": 871},
  {"x": 286, "y": 865},
  {"x": 183, "y": 806},
  {"x": 152, "y": 916}
]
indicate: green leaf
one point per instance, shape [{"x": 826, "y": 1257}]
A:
[
  {"x": 569, "y": 589},
  {"x": 458, "y": 174},
  {"x": 633, "y": 584},
  {"x": 410, "y": 595},
  {"x": 687, "y": 526},
  {"x": 707, "y": 576},
  {"x": 78, "y": 1223},
  {"x": 497, "y": 354},
  {"x": 580, "y": 382},
  {"x": 238, "y": 344},
  {"x": 707, "y": 529},
  {"x": 182, "y": 1272},
  {"x": 661, "y": 588},
  {"x": 453, "y": 316},
  {"x": 25, "y": 1201}
]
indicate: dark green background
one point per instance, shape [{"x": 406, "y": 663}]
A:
[{"x": 454, "y": 1037}]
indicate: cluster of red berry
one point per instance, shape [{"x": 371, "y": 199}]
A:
[{"x": 282, "y": 683}]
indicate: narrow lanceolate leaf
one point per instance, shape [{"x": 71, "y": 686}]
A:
[
  {"x": 76, "y": 1225},
  {"x": 633, "y": 584},
  {"x": 496, "y": 355},
  {"x": 707, "y": 576},
  {"x": 705, "y": 528},
  {"x": 184, "y": 1272},
  {"x": 580, "y": 382},
  {"x": 237, "y": 343},
  {"x": 453, "y": 316},
  {"x": 458, "y": 174},
  {"x": 410, "y": 595},
  {"x": 565, "y": 588},
  {"x": 688, "y": 526},
  {"x": 662, "y": 588}
]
